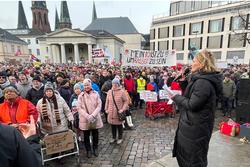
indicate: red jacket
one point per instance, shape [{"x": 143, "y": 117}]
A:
[
  {"x": 129, "y": 84},
  {"x": 17, "y": 112}
]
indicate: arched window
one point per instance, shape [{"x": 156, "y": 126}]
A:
[
  {"x": 34, "y": 17},
  {"x": 40, "y": 18},
  {"x": 45, "y": 19}
]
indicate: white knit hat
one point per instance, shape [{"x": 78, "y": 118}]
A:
[{"x": 87, "y": 82}]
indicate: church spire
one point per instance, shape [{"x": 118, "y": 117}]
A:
[
  {"x": 65, "y": 21},
  {"x": 57, "y": 21},
  {"x": 22, "y": 21},
  {"x": 94, "y": 15}
]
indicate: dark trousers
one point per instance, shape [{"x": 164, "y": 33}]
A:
[
  {"x": 138, "y": 100},
  {"x": 227, "y": 105},
  {"x": 95, "y": 138},
  {"x": 116, "y": 128}
]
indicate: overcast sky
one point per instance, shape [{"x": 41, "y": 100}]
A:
[{"x": 140, "y": 12}]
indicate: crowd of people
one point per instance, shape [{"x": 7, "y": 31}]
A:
[{"x": 59, "y": 95}]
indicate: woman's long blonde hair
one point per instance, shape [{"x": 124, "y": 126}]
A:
[{"x": 207, "y": 61}]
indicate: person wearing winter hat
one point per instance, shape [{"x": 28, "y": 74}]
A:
[
  {"x": 54, "y": 111},
  {"x": 116, "y": 101},
  {"x": 3, "y": 84},
  {"x": 15, "y": 109},
  {"x": 37, "y": 90},
  {"x": 89, "y": 106},
  {"x": 24, "y": 85}
]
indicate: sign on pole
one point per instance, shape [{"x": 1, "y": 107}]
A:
[{"x": 97, "y": 53}]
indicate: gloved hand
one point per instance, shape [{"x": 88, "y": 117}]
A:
[
  {"x": 89, "y": 117},
  {"x": 92, "y": 119},
  {"x": 120, "y": 111}
]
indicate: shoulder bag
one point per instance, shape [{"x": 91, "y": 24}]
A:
[
  {"x": 90, "y": 125},
  {"x": 121, "y": 116}
]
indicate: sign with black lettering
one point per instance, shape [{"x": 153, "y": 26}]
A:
[{"x": 149, "y": 58}]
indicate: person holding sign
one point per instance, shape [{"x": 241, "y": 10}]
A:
[{"x": 197, "y": 107}]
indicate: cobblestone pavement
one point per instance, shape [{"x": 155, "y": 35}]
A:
[{"x": 150, "y": 140}]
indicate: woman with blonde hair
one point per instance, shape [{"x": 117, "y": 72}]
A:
[{"x": 197, "y": 107}]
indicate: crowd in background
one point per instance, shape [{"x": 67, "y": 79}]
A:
[{"x": 53, "y": 94}]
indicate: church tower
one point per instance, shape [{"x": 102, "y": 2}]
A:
[
  {"x": 40, "y": 16},
  {"x": 94, "y": 15},
  {"x": 57, "y": 23},
  {"x": 22, "y": 21},
  {"x": 65, "y": 21}
]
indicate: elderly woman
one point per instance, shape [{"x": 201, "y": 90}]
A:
[
  {"x": 116, "y": 97},
  {"x": 197, "y": 107},
  {"x": 89, "y": 106},
  {"x": 54, "y": 111}
]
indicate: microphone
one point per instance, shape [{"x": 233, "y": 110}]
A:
[{"x": 185, "y": 73}]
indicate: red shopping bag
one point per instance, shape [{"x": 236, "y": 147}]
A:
[{"x": 230, "y": 128}]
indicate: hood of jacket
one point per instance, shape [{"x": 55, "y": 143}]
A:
[{"x": 215, "y": 78}]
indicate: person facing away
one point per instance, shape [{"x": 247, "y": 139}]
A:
[{"x": 197, "y": 109}]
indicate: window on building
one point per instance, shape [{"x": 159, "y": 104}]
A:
[
  {"x": 47, "y": 50},
  {"x": 214, "y": 42},
  {"x": 188, "y": 6},
  {"x": 196, "y": 28},
  {"x": 215, "y": 25},
  {"x": 237, "y": 23},
  {"x": 37, "y": 41},
  {"x": 182, "y": 7},
  {"x": 205, "y": 4},
  {"x": 179, "y": 56},
  {"x": 236, "y": 54},
  {"x": 28, "y": 41},
  {"x": 163, "y": 32},
  {"x": 197, "y": 42},
  {"x": 178, "y": 44},
  {"x": 179, "y": 30},
  {"x": 163, "y": 45},
  {"x": 152, "y": 34},
  {"x": 217, "y": 55},
  {"x": 38, "y": 52},
  {"x": 197, "y": 5},
  {"x": 173, "y": 9},
  {"x": 45, "y": 19},
  {"x": 30, "y": 51},
  {"x": 152, "y": 46},
  {"x": 13, "y": 48},
  {"x": 236, "y": 40}
]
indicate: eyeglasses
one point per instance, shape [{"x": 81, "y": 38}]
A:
[{"x": 2, "y": 77}]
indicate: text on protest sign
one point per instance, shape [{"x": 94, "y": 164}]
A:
[
  {"x": 149, "y": 58},
  {"x": 97, "y": 52}
]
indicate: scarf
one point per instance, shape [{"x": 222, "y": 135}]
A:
[{"x": 45, "y": 110}]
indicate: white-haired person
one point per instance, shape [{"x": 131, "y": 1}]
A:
[
  {"x": 116, "y": 101},
  {"x": 89, "y": 107}
]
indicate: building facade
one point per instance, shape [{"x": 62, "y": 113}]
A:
[
  {"x": 219, "y": 26},
  {"x": 12, "y": 47},
  {"x": 75, "y": 46}
]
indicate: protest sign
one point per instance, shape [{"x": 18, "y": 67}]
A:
[
  {"x": 97, "y": 53},
  {"x": 163, "y": 94},
  {"x": 149, "y": 58},
  {"x": 143, "y": 94},
  {"x": 222, "y": 65},
  {"x": 150, "y": 96},
  {"x": 59, "y": 142}
]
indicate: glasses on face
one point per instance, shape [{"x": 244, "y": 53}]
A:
[{"x": 2, "y": 77}]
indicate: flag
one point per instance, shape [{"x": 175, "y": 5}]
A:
[{"x": 34, "y": 58}]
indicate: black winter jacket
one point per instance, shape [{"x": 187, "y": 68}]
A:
[
  {"x": 35, "y": 95},
  {"x": 16, "y": 151},
  {"x": 197, "y": 108},
  {"x": 66, "y": 92}
]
